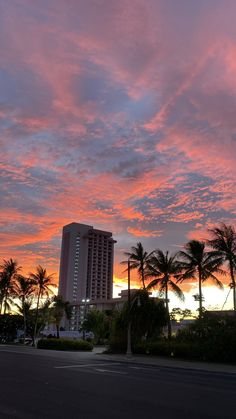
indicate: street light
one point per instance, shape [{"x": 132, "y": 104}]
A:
[
  {"x": 85, "y": 301},
  {"x": 198, "y": 298},
  {"x": 129, "y": 349},
  {"x": 129, "y": 345}
]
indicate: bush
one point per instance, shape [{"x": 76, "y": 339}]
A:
[
  {"x": 176, "y": 349},
  {"x": 65, "y": 344},
  {"x": 9, "y": 323},
  {"x": 171, "y": 348},
  {"x": 211, "y": 339},
  {"x": 117, "y": 345},
  {"x": 214, "y": 336},
  {"x": 166, "y": 348}
]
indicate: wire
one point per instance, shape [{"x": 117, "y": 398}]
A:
[{"x": 226, "y": 299}]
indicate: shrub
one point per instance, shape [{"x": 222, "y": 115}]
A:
[
  {"x": 214, "y": 336},
  {"x": 117, "y": 345},
  {"x": 211, "y": 339},
  {"x": 9, "y": 323},
  {"x": 65, "y": 344},
  {"x": 170, "y": 349}
]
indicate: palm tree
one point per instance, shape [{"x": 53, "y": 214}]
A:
[
  {"x": 138, "y": 258},
  {"x": 24, "y": 288},
  {"x": 43, "y": 284},
  {"x": 164, "y": 269},
  {"x": 224, "y": 241},
  {"x": 199, "y": 264},
  {"x": 10, "y": 269},
  {"x": 60, "y": 307}
]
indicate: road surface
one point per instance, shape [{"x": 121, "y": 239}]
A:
[{"x": 38, "y": 384}]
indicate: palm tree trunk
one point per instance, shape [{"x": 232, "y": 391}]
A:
[
  {"x": 233, "y": 283},
  {"x": 144, "y": 286},
  {"x": 24, "y": 315},
  {"x": 200, "y": 292},
  {"x": 3, "y": 294},
  {"x": 1, "y": 302},
  {"x": 36, "y": 319},
  {"x": 2, "y": 299},
  {"x": 143, "y": 277},
  {"x": 58, "y": 333},
  {"x": 5, "y": 301},
  {"x": 168, "y": 312}
]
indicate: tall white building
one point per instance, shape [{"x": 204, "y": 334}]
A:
[{"x": 86, "y": 268}]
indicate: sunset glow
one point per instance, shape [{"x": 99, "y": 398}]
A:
[{"x": 117, "y": 114}]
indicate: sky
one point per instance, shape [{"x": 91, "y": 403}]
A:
[{"x": 119, "y": 115}]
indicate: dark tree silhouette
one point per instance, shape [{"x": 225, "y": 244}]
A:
[
  {"x": 60, "y": 308},
  {"x": 199, "y": 264},
  {"x": 43, "y": 283},
  {"x": 164, "y": 269},
  {"x": 9, "y": 273},
  {"x": 138, "y": 258},
  {"x": 223, "y": 240},
  {"x": 24, "y": 289}
]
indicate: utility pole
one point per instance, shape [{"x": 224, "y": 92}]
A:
[{"x": 129, "y": 349}]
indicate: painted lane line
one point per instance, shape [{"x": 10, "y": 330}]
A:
[
  {"x": 116, "y": 372},
  {"x": 147, "y": 369},
  {"x": 83, "y": 365}
]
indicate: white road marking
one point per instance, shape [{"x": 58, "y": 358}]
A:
[
  {"x": 83, "y": 365},
  {"x": 116, "y": 372},
  {"x": 143, "y": 368}
]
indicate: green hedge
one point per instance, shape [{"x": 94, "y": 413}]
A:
[
  {"x": 117, "y": 345},
  {"x": 169, "y": 349},
  {"x": 176, "y": 349},
  {"x": 65, "y": 344},
  {"x": 211, "y": 351},
  {"x": 211, "y": 339}
]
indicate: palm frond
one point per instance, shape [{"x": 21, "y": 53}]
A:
[
  {"x": 177, "y": 291},
  {"x": 153, "y": 284},
  {"x": 216, "y": 281},
  {"x": 187, "y": 274}
]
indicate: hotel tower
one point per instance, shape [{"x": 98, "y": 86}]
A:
[{"x": 86, "y": 268}]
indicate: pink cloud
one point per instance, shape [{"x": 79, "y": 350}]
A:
[
  {"x": 144, "y": 233},
  {"x": 110, "y": 118}
]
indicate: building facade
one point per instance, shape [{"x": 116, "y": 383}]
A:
[{"x": 86, "y": 268}]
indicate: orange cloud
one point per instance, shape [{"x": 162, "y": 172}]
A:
[
  {"x": 127, "y": 132},
  {"x": 144, "y": 233}
]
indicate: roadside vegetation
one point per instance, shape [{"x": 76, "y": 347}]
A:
[
  {"x": 26, "y": 303},
  {"x": 60, "y": 344}
]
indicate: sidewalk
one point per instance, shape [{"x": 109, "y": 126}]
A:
[{"x": 167, "y": 362}]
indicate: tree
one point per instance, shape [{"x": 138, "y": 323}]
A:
[
  {"x": 199, "y": 264},
  {"x": 148, "y": 316},
  {"x": 180, "y": 314},
  {"x": 138, "y": 258},
  {"x": 223, "y": 240},
  {"x": 43, "y": 284},
  {"x": 44, "y": 317},
  {"x": 9, "y": 324},
  {"x": 24, "y": 289},
  {"x": 10, "y": 270},
  {"x": 164, "y": 269},
  {"x": 59, "y": 309},
  {"x": 97, "y": 322}
]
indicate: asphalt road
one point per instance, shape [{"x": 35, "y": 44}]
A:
[{"x": 38, "y": 384}]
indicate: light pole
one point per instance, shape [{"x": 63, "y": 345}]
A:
[
  {"x": 129, "y": 349},
  {"x": 85, "y": 301},
  {"x": 130, "y": 306}
]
